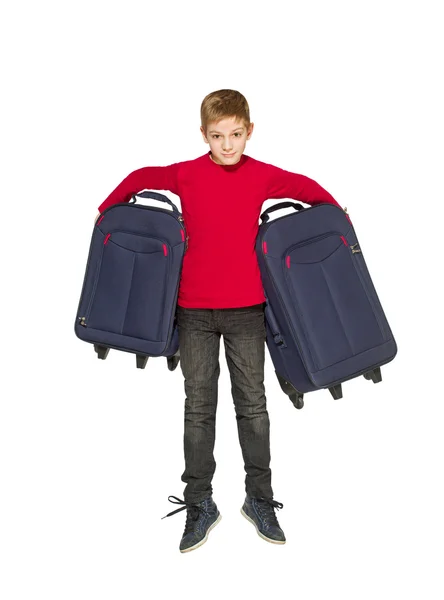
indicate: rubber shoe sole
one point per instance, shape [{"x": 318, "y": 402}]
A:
[
  {"x": 264, "y": 537},
  {"x": 203, "y": 540}
]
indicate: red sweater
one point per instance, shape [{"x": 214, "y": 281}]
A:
[{"x": 221, "y": 206}]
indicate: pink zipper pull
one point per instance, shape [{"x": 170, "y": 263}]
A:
[{"x": 107, "y": 238}]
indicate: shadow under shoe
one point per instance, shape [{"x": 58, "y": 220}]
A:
[
  {"x": 260, "y": 512},
  {"x": 201, "y": 518}
]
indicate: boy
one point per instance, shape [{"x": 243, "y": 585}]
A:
[{"x": 221, "y": 293}]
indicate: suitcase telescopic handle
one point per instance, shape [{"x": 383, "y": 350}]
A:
[
  {"x": 154, "y": 196},
  {"x": 265, "y": 214}
]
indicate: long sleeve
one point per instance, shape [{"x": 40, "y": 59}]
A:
[
  {"x": 284, "y": 184},
  {"x": 152, "y": 178}
]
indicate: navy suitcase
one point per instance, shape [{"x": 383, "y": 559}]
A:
[
  {"x": 325, "y": 324},
  {"x": 129, "y": 295}
]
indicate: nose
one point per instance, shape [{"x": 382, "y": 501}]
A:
[{"x": 227, "y": 145}]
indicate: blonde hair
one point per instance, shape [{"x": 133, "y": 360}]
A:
[{"x": 224, "y": 103}]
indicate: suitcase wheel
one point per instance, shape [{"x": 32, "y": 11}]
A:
[
  {"x": 102, "y": 351},
  {"x": 141, "y": 361},
  {"x": 298, "y": 400},
  {"x": 374, "y": 375},
  {"x": 336, "y": 391},
  {"x": 173, "y": 361},
  {"x": 295, "y": 396}
]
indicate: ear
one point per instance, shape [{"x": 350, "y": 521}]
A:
[
  {"x": 203, "y": 135},
  {"x": 250, "y": 131}
]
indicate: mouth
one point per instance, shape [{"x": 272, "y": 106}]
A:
[{"x": 229, "y": 155}]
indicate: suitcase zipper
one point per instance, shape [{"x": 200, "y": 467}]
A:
[
  {"x": 154, "y": 237},
  {"x": 184, "y": 234},
  {"x": 93, "y": 291},
  {"x": 314, "y": 240}
]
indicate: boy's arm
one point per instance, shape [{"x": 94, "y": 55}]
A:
[
  {"x": 284, "y": 184},
  {"x": 155, "y": 178}
]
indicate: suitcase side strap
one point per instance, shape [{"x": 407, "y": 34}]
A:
[{"x": 271, "y": 320}]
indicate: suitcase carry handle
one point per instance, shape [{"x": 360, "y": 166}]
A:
[
  {"x": 265, "y": 214},
  {"x": 154, "y": 196}
]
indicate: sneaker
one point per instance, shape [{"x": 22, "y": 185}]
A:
[
  {"x": 260, "y": 512},
  {"x": 201, "y": 518}
]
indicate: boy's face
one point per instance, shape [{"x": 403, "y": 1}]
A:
[{"x": 227, "y": 139}]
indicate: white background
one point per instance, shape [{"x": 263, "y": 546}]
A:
[{"x": 348, "y": 93}]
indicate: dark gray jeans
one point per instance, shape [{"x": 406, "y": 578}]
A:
[{"x": 244, "y": 334}]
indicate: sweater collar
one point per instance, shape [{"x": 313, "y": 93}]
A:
[{"x": 234, "y": 167}]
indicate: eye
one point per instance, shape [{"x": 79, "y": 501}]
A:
[
  {"x": 215, "y": 135},
  {"x": 237, "y": 133}
]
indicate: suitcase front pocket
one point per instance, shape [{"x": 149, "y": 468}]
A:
[
  {"x": 337, "y": 318},
  {"x": 129, "y": 289}
]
